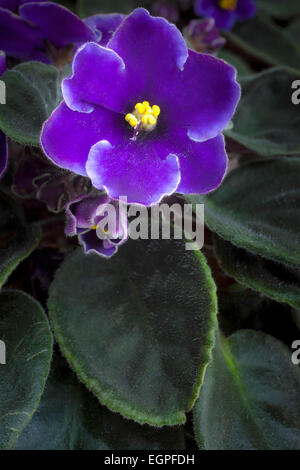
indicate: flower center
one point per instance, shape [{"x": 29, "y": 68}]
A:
[
  {"x": 143, "y": 117},
  {"x": 228, "y": 4}
]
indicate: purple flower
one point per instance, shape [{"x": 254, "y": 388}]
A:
[
  {"x": 100, "y": 223},
  {"x": 25, "y": 36},
  {"x": 226, "y": 12},
  {"x": 107, "y": 129},
  {"x": 3, "y": 138},
  {"x": 204, "y": 36},
  {"x": 104, "y": 25},
  {"x": 36, "y": 176}
]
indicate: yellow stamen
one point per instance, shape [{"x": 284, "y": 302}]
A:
[
  {"x": 131, "y": 119},
  {"x": 140, "y": 107},
  {"x": 156, "y": 110},
  {"x": 144, "y": 117},
  {"x": 94, "y": 227},
  {"x": 228, "y": 4},
  {"x": 148, "y": 119}
]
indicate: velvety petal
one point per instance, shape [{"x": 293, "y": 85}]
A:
[
  {"x": 152, "y": 50},
  {"x": 205, "y": 7},
  {"x": 93, "y": 244},
  {"x": 246, "y": 9},
  {"x": 144, "y": 171},
  {"x": 20, "y": 39},
  {"x": 203, "y": 97},
  {"x": 106, "y": 25},
  {"x": 225, "y": 19},
  {"x": 83, "y": 211},
  {"x": 3, "y": 153},
  {"x": 57, "y": 24},
  {"x": 97, "y": 78},
  {"x": 202, "y": 165},
  {"x": 67, "y": 136}
]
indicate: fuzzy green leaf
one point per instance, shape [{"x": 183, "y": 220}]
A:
[
  {"x": 275, "y": 280},
  {"x": 69, "y": 417},
  {"x": 249, "y": 400},
  {"x": 138, "y": 330},
  {"x": 258, "y": 208},
  {"x": 32, "y": 92},
  {"x": 258, "y": 124},
  {"x": 25, "y": 331},
  {"x": 17, "y": 239},
  {"x": 264, "y": 40}
]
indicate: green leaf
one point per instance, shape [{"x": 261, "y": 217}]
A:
[
  {"x": 261, "y": 38},
  {"x": 280, "y": 9},
  {"x": 250, "y": 396},
  {"x": 71, "y": 418},
  {"x": 25, "y": 331},
  {"x": 17, "y": 239},
  {"x": 138, "y": 330},
  {"x": 258, "y": 208},
  {"x": 275, "y": 280},
  {"x": 240, "y": 64},
  {"x": 93, "y": 7},
  {"x": 32, "y": 92},
  {"x": 258, "y": 124},
  {"x": 293, "y": 30}
]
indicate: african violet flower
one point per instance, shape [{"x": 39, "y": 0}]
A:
[
  {"x": 100, "y": 223},
  {"x": 143, "y": 118},
  {"x": 226, "y": 12},
  {"x": 204, "y": 36},
  {"x": 25, "y": 36},
  {"x": 3, "y": 138},
  {"x": 35, "y": 175}
]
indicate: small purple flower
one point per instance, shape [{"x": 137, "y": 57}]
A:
[
  {"x": 36, "y": 176},
  {"x": 100, "y": 223},
  {"x": 104, "y": 25},
  {"x": 204, "y": 36},
  {"x": 3, "y": 138},
  {"x": 143, "y": 118},
  {"x": 226, "y": 12},
  {"x": 25, "y": 36}
]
